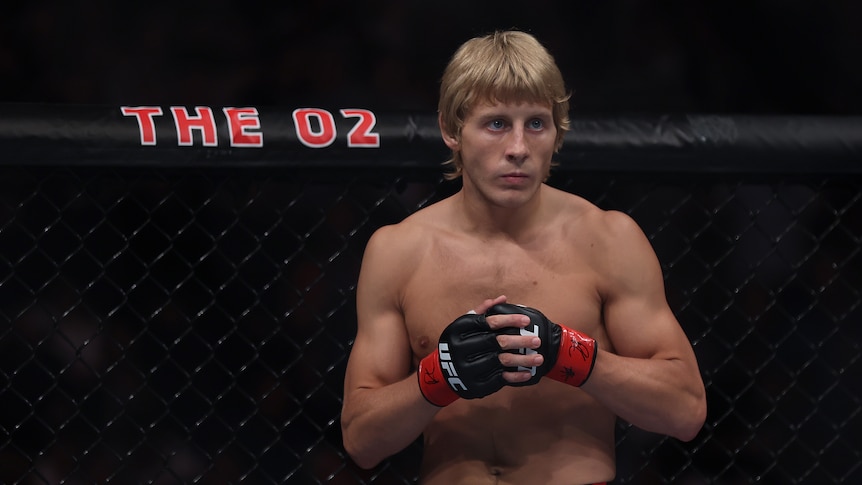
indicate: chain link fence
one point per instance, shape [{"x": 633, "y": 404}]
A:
[{"x": 192, "y": 325}]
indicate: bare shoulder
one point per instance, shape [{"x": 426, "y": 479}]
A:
[
  {"x": 390, "y": 254},
  {"x": 394, "y": 248},
  {"x": 602, "y": 225},
  {"x": 614, "y": 241},
  {"x": 618, "y": 227},
  {"x": 404, "y": 239}
]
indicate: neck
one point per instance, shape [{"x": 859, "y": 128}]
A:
[{"x": 492, "y": 220}]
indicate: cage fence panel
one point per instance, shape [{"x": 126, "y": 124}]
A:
[
  {"x": 185, "y": 316},
  {"x": 193, "y": 325}
]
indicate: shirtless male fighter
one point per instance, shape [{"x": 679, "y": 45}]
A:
[{"x": 510, "y": 394}]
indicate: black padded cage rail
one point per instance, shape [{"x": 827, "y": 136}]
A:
[{"x": 177, "y": 286}]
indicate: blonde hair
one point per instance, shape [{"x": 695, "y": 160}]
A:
[{"x": 505, "y": 66}]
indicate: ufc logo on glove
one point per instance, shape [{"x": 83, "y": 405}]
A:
[{"x": 447, "y": 365}]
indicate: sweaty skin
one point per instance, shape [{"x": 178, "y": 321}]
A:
[{"x": 508, "y": 233}]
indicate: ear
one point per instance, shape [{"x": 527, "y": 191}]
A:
[{"x": 449, "y": 139}]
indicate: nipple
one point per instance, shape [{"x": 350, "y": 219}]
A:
[{"x": 424, "y": 342}]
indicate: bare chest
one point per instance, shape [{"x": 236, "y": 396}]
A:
[{"x": 453, "y": 278}]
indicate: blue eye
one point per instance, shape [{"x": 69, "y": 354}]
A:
[
  {"x": 536, "y": 124},
  {"x": 497, "y": 124}
]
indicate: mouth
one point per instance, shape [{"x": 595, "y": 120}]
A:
[{"x": 515, "y": 177}]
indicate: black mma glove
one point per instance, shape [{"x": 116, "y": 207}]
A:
[
  {"x": 466, "y": 363},
  {"x": 569, "y": 355}
]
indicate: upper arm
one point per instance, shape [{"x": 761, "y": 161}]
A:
[
  {"x": 638, "y": 319},
  {"x": 381, "y": 352}
]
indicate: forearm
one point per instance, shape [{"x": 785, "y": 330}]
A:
[
  {"x": 382, "y": 415},
  {"x": 657, "y": 395},
  {"x": 377, "y": 423}
]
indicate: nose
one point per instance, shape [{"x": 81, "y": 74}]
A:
[{"x": 516, "y": 146}]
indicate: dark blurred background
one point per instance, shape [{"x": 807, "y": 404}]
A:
[
  {"x": 192, "y": 326},
  {"x": 619, "y": 56}
]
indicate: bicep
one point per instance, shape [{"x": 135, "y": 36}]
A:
[
  {"x": 638, "y": 319},
  {"x": 381, "y": 352}
]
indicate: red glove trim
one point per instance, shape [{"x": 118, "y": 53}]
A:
[
  {"x": 576, "y": 358},
  {"x": 432, "y": 381}
]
